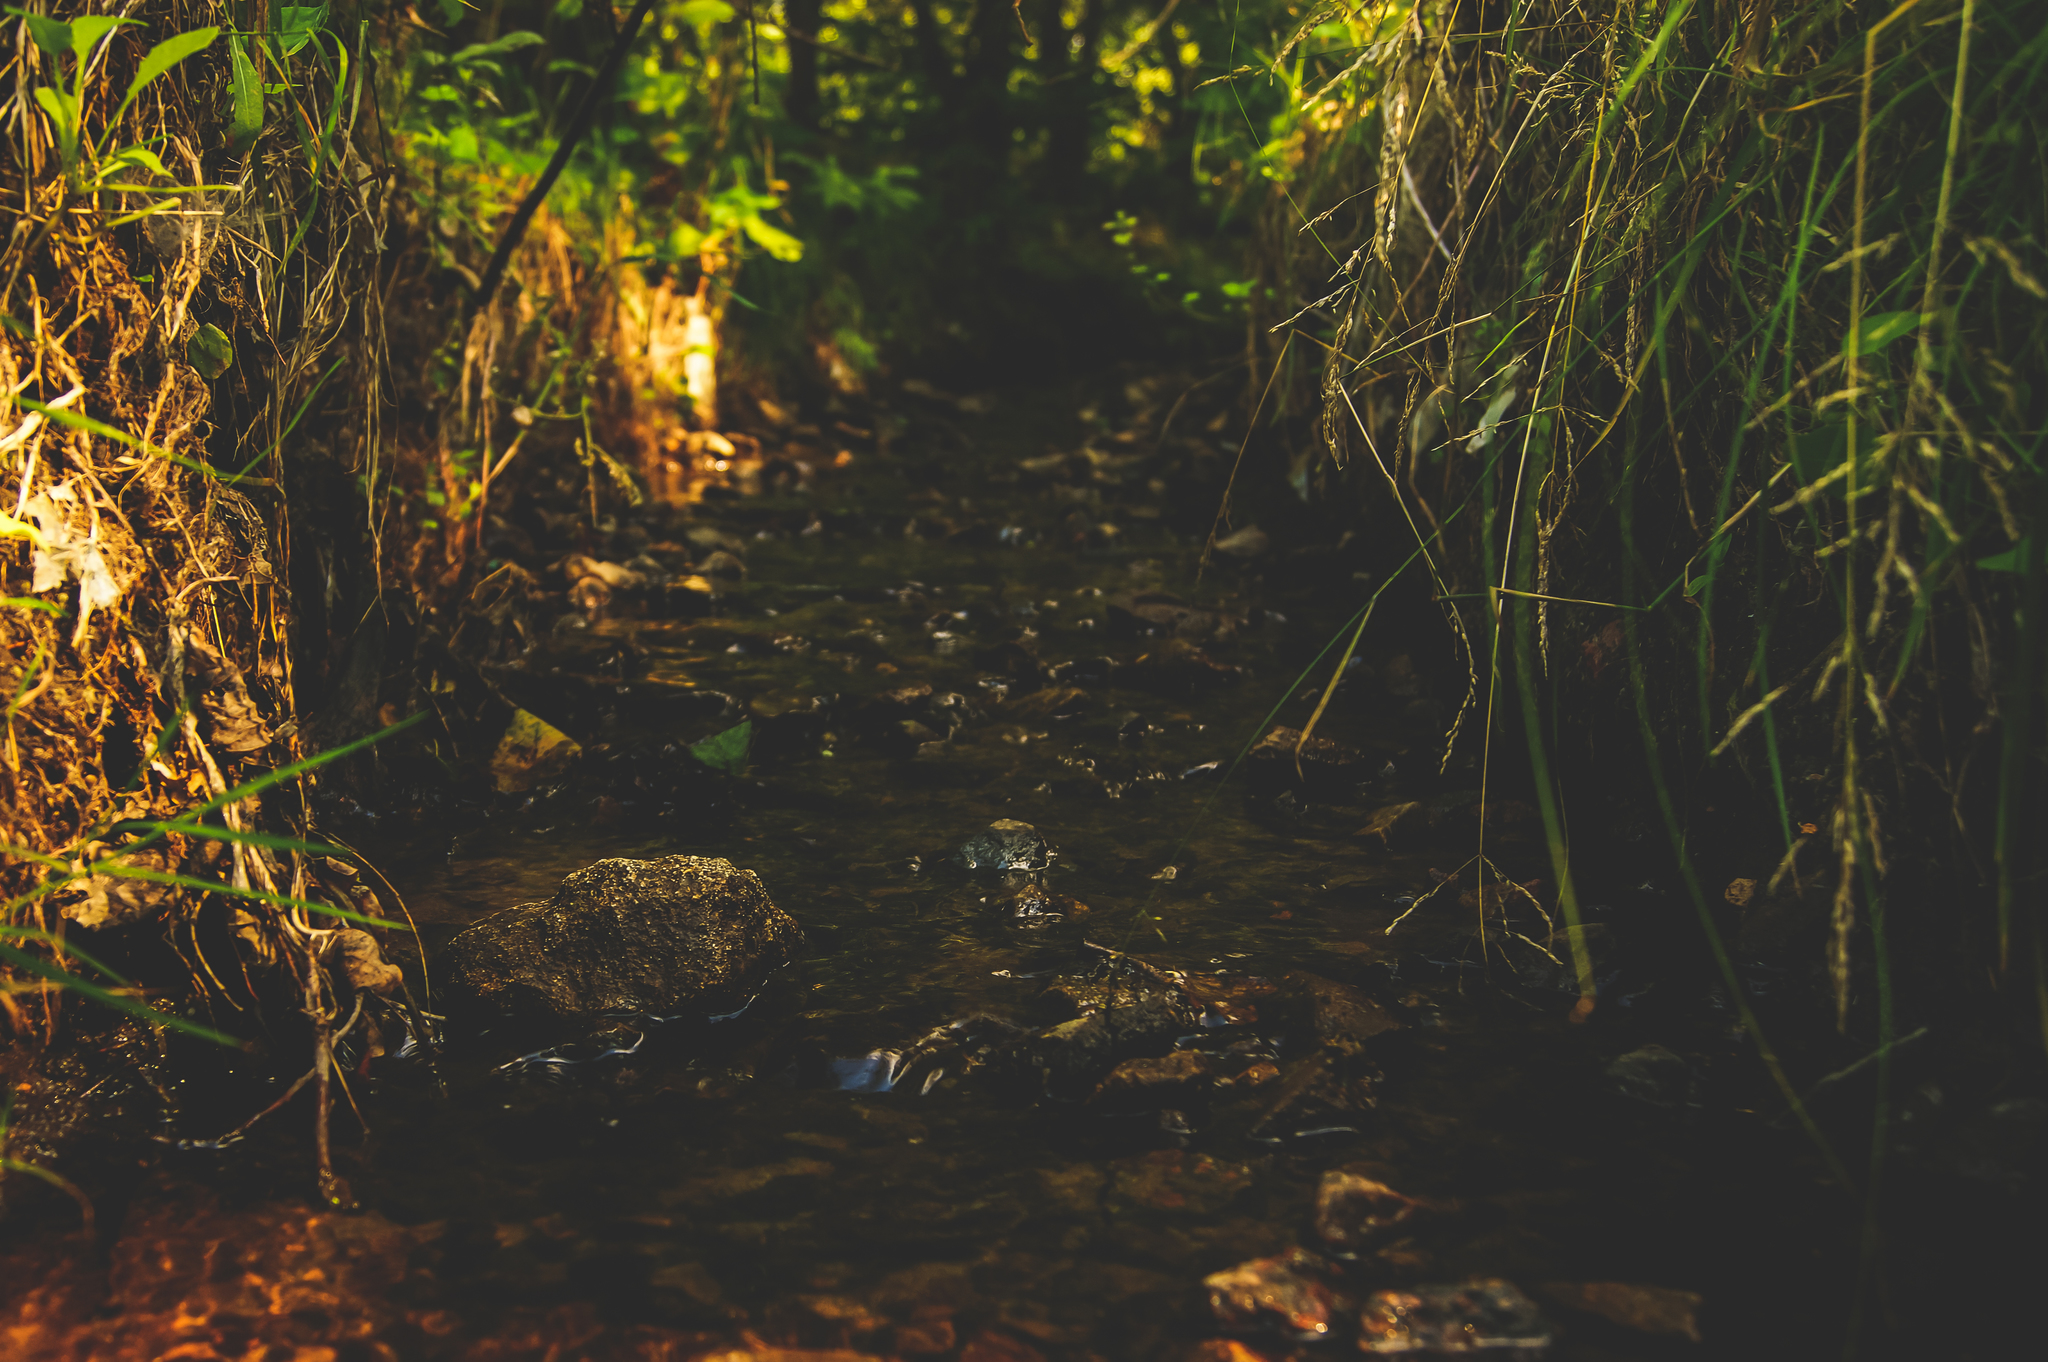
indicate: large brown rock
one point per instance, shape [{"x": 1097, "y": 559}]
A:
[{"x": 680, "y": 934}]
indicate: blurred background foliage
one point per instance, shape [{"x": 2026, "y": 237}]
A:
[{"x": 870, "y": 177}]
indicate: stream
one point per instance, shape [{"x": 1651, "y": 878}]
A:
[{"x": 765, "y": 1184}]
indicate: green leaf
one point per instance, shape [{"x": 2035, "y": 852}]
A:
[
  {"x": 163, "y": 57},
  {"x": 88, "y": 30},
  {"x": 245, "y": 120},
  {"x": 210, "y": 351},
  {"x": 298, "y": 24},
  {"x": 30, "y": 603},
  {"x": 137, "y": 156},
  {"x": 52, "y": 35},
  {"x": 702, "y": 13},
  {"x": 451, "y": 12},
  {"x": 726, "y": 751},
  {"x": 771, "y": 239},
  {"x": 78, "y": 421},
  {"x": 511, "y": 42},
  {"x": 1882, "y": 328},
  {"x": 2009, "y": 561},
  {"x": 64, "y": 114}
]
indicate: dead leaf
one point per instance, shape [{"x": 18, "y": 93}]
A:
[
  {"x": 532, "y": 752},
  {"x": 362, "y": 962}
]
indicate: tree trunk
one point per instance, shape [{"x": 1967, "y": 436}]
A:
[
  {"x": 800, "y": 100},
  {"x": 1067, "y": 148}
]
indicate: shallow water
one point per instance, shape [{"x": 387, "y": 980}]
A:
[{"x": 690, "y": 1186}]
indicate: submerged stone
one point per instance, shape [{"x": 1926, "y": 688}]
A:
[
  {"x": 1339, "y": 1017},
  {"x": 1656, "y": 1076},
  {"x": 1141, "y": 1083},
  {"x": 1286, "y": 1294},
  {"x": 1353, "y": 1211},
  {"x": 1284, "y": 759},
  {"x": 1006, "y": 844},
  {"x": 1482, "y": 1315},
  {"x": 1320, "y": 1095},
  {"x": 1066, "y": 1060},
  {"x": 679, "y": 934}
]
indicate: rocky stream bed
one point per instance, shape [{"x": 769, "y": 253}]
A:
[{"x": 959, "y": 1007}]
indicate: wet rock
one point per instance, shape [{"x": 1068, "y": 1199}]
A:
[
  {"x": 1012, "y": 659},
  {"x": 1353, "y": 1211},
  {"x": 1287, "y": 1294},
  {"x": 617, "y": 576},
  {"x": 1178, "y": 667},
  {"x": 1481, "y": 1315},
  {"x": 1005, "y": 844},
  {"x": 690, "y": 594},
  {"x": 1083, "y": 671},
  {"x": 944, "y": 1054},
  {"x": 1032, "y": 903},
  {"x": 1052, "y": 702},
  {"x": 883, "y": 714},
  {"x": 1646, "y": 1309},
  {"x": 1320, "y": 1095},
  {"x": 720, "y": 563},
  {"x": 1066, "y": 1060},
  {"x": 591, "y": 599},
  {"x": 1337, "y": 1016},
  {"x": 1158, "y": 612},
  {"x": 1656, "y": 1076},
  {"x": 679, "y": 934},
  {"x": 1254, "y": 1075},
  {"x": 1319, "y": 766},
  {"x": 1119, "y": 981},
  {"x": 1136, "y": 1084},
  {"x": 1176, "y": 1180},
  {"x": 1229, "y": 1000}
]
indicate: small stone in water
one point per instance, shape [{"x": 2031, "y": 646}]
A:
[
  {"x": 1485, "y": 1314},
  {"x": 1005, "y": 844},
  {"x": 1146, "y": 1082},
  {"x": 1657, "y": 1076},
  {"x": 1351, "y": 1211},
  {"x": 1284, "y": 1293}
]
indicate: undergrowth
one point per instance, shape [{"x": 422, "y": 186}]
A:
[{"x": 1730, "y": 318}]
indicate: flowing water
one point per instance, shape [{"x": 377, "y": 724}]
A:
[{"x": 691, "y": 1186}]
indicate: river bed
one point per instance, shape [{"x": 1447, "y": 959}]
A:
[{"x": 691, "y": 1188}]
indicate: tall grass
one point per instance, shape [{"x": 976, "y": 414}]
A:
[
  {"x": 1734, "y": 319},
  {"x": 1751, "y": 303}
]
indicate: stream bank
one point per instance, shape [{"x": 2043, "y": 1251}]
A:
[{"x": 993, "y": 609}]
